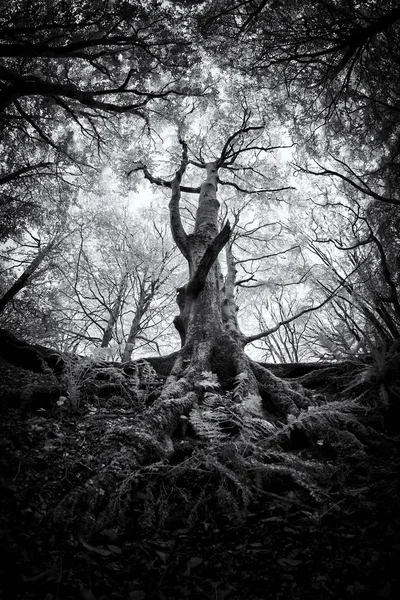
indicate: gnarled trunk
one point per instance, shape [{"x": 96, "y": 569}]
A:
[
  {"x": 207, "y": 322},
  {"x": 202, "y": 301}
]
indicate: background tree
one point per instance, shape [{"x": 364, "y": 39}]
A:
[
  {"x": 116, "y": 266},
  {"x": 82, "y": 62},
  {"x": 69, "y": 72},
  {"x": 335, "y": 63}
]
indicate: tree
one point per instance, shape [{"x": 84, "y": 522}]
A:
[
  {"x": 25, "y": 277},
  {"x": 32, "y": 242},
  {"x": 72, "y": 76},
  {"x": 207, "y": 323},
  {"x": 213, "y": 165},
  {"x": 350, "y": 247},
  {"x": 114, "y": 282},
  {"x": 46, "y": 48},
  {"x": 288, "y": 343}
]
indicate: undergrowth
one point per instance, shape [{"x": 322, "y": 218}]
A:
[
  {"x": 94, "y": 473},
  {"x": 228, "y": 455}
]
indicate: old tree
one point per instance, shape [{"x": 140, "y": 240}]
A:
[
  {"x": 211, "y": 339},
  {"x": 266, "y": 135}
]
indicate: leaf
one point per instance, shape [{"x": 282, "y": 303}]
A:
[
  {"x": 289, "y": 562},
  {"x": 194, "y": 562},
  {"x": 137, "y": 595},
  {"x": 114, "y": 549},
  {"x": 96, "y": 549},
  {"x": 162, "y": 555}
]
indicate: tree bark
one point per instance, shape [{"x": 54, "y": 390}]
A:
[
  {"x": 142, "y": 306},
  {"x": 212, "y": 342},
  {"x": 114, "y": 314},
  {"x": 24, "y": 279}
]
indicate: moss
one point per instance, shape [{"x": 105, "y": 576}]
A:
[
  {"x": 222, "y": 362},
  {"x": 35, "y": 396}
]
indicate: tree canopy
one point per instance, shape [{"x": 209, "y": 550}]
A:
[{"x": 298, "y": 115}]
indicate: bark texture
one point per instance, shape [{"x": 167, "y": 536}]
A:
[
  {"x": 211, "y": 340},
  {"x": 24, "y": 279}
]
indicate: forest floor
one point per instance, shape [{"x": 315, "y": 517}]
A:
[{"x": 283, "y": 542}]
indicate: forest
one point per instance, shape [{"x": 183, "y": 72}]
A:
[{"x": 199, "y": 299}]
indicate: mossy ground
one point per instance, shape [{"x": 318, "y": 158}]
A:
[{"x": 311, "y": 511}]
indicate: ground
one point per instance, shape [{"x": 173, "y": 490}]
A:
[{"x": 237, "y": 510}]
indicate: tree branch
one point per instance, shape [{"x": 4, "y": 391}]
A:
[
  {"x": 161, "y": 182},
  {"x": 365, "y": 190},
  {"x": 177, "y": 229},
  {"x": 18, "y": 173},
  {"x": 197, "y": 282},
  {"x": 267, "y": 332},
  {"x": 262, "y": 190}
]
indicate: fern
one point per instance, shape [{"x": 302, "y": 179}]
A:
[
  {"x": 334, "y": 428},
  {"x": 241, "y": 387},
  {"x": 77, "y": 374},
  {"x": 206, "y": 424},
  {"x": 147, "y": 373},
  {"x": 213, "y": 400}
]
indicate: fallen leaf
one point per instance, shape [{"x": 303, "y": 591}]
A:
[
  {"x": 137, "y": 595},
  {"x": 114, "y": 549},
  {"x": 97, "y": 549},
  {"x": 162, "y": 555},
  {"x": 289, "y": 562},
  {"x": 194, "y": 562}
]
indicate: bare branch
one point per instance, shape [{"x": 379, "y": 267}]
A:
[
  {"x": 162, "y": 182},
  {"x": 266, "y": 333},
  {"x": 259, "y": 191},
  {"x": 365, "y": 189}
]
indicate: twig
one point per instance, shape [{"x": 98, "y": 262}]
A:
[{"x": 283, "y": 499}]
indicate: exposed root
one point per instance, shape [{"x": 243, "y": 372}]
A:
[{"x": 279, "y": 397}]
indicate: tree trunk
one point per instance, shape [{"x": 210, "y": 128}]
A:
[
  {"x": 135, "y": 327},
  {"x": 201, "y": 319},
  {"x": 26, "y": 276},
  {"x": 207, "y": 323},
  {"x": 114, "y": 314}
]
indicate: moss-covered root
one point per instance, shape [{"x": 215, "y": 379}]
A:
[{"x": 279, "y": 398}]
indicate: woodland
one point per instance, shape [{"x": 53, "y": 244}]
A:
[{"x": 199, "y": 299}]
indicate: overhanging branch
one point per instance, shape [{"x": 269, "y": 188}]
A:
[
  {"x": 257, "y": 191},
  {"x": 162, "y": 182},
  {"x": 364, "y": 188}
]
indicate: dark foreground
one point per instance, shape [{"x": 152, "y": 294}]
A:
[{"x": 190, "y": 536}]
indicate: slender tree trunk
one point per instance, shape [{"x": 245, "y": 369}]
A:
[
  {"x": 114, "y": 314},
  {"x": 24, "y": 279},
  {"x": 142, "y": 306}
]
